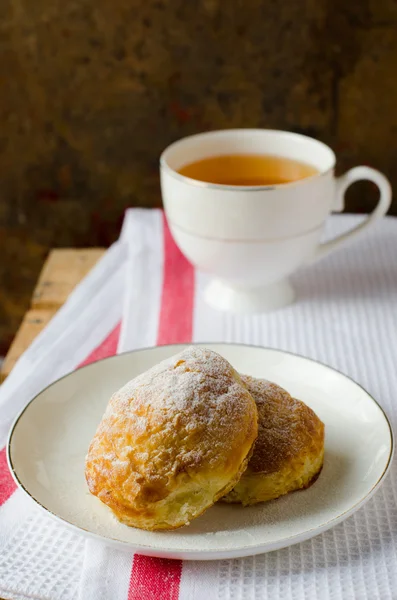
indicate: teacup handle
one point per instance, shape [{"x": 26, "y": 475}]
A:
[{"x": 342, "y": 183}]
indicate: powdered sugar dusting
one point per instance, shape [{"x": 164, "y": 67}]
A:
[
  {"x": 197, "y": 387},
  {"x": 168, "y": 429},
  {"x": 173, "y": 383},
  {"x": 286, "y": 426}
]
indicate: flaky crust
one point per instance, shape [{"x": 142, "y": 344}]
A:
[
  {"x": 289, "y": 451},
  {"x": 172, "y": 441}
]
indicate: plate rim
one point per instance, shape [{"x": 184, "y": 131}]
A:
[{"x": 209, "y": 554}]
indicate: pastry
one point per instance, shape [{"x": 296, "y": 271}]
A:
[
  {"x": 288, "y": 453},
  {"x": 173, "y": 441}
]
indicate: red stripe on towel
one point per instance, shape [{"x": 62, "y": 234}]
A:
[
  {"x": 176, "y": 312},
  {"x": 157, "y": 577},
  {"x": 153, "y": 578},
  {"x": 108, "y": 347},
  {"x": 7, "y": 484}
]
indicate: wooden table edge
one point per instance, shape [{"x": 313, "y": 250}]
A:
[{"x": 63, "y": 269}]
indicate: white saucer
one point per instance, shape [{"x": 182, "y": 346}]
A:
[{"x": 50, "y": 438}]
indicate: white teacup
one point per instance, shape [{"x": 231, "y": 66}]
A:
[{"x": 252, "y": 238}]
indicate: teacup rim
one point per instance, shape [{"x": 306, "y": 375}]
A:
[{"x": 246, "y": 188}]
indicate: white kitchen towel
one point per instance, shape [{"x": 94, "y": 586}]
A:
[{"x": 345, "y": 315}]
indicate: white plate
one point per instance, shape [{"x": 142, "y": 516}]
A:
[{"x": 49, "y": 441}]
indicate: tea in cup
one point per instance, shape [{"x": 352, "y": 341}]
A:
[{"x": 249, "y": 207}]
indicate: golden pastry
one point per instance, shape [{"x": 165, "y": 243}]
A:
[
  {"x": 289, "y": 451},
  {"x": 173, "y": 441}
]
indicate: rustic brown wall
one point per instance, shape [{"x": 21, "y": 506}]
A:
[{"x": 92, "y": 91}]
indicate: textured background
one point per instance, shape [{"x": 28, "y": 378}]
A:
[{"x": 92, "y": 91}]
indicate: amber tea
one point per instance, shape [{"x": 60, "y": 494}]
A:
[{"x": 247, "y": 170}]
